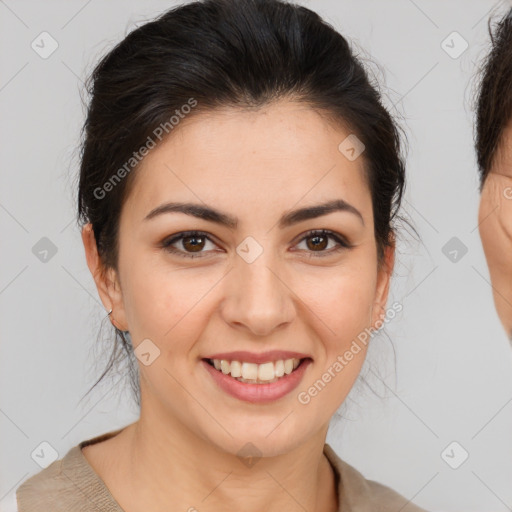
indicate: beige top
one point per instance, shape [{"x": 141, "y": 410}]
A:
[{"x": 70, "y": 484}]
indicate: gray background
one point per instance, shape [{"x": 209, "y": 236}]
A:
[{"x": 453, "y": 378}]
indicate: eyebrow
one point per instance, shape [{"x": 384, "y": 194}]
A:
[{"x": 288, "y": 219}]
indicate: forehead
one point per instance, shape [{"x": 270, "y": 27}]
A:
[{"x": 278, "y": 155}]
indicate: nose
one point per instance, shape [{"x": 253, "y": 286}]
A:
[{"x": 257, "y": 298}]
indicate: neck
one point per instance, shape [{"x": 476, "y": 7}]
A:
[{"x": 171, "y": 465}]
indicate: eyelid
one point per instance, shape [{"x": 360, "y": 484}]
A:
[{"x": 342, "y": 241}]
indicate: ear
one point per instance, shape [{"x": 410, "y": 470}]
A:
[
  {"x": 106, "y": 280},
  {"x": 383, "y": 281}
]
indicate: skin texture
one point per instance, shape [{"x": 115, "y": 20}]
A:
[
  {"x": 495, "y": 226},
  {"x": 255, "y": 165}
]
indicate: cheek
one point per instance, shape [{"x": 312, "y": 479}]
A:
[
  {"x": 495, "y": 219},
  {"x": 340, "y": 297},
  {"x": 338, "y": 315},
  {"x": 164, "y": 304}
]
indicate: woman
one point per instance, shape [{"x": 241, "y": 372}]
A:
[
  {"x": 493, "y": 143},
  {"x": 238, "y": 183}
]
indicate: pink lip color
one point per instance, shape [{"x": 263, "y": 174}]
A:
[{"x": 258, "y": 393}]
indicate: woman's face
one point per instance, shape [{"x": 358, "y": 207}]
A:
[
  {"x": 495, "y": 226},
  {"x": 262, "y": 285}
]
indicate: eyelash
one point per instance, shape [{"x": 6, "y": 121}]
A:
[{"x": 343, "y": 243}]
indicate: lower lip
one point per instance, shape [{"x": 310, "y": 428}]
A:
[{"x": 258, "y": 393}]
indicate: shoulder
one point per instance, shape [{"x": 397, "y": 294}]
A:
[
  {"x": 357, "y": 493},
  {"x": 49, "y": 490},
  {"x": 66, "y": 485}
]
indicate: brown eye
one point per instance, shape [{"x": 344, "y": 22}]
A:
[
  {"x": 318, "y": 242},
  {"x": 191, "y": 243}
]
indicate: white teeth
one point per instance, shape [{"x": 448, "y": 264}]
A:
[
  {"x": 279, "y": 368},
  {"x": 266, "y": 371},
  {"x": 257, "y": 373},
  {"x": 249, "y": 371},
  {"x": 236, "y": 369},
  {"x": 225, "y": 367}
]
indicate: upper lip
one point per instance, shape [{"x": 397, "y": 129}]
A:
[{"x": 258, "y": 358}]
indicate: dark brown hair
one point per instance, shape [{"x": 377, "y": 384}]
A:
[
  {"x": 225, "y": 53},
  {"x": 494, "y": 97}
]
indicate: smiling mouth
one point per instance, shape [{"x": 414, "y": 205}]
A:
[{"x": 252, "y": 373}]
